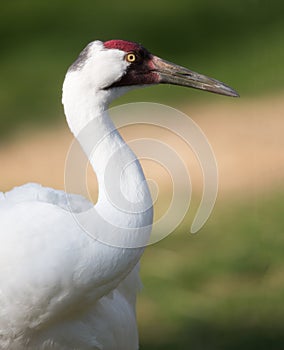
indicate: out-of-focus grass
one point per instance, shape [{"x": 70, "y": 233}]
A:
[
  {"x": 220, "y": 289},
  {"x": 239, "y": 42}
]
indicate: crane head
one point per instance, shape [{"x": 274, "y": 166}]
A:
[{"x": 122, "y": 65}]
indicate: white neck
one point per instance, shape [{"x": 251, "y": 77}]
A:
[{"x": 124, "y": 197}]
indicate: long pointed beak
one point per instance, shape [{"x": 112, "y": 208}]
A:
[{"x": 171, "y": 73}]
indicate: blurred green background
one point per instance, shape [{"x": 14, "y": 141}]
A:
[
  {"x": 238, "y": 41},
  {"x": 221, "y": 289}
]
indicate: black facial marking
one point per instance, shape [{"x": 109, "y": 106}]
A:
[
  {"x": 138, "y": 72},
  {"x": 141, "y": 55}
]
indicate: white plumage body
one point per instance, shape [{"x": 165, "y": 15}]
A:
[
  {"x": 52, "y": 289},
  {"x": 68, "y": 268},
  {"x": 61, "y": 288}
]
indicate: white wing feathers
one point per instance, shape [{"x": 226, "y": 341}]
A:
[
  {"x": 35, "y": 192},
  {"x": 48, "y": 266}
]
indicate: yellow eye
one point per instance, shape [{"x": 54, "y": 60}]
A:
[{"x": 130, "y": 57}]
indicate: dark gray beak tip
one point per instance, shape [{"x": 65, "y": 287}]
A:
[
  {"x": 171, "y": 73},
  {"x": 226, "y": 91}
]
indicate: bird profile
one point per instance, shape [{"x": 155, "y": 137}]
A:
[{"x": 70, "y": 286}]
